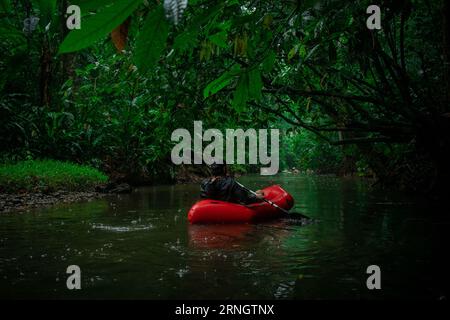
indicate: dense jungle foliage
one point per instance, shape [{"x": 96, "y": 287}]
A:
[{"x": 348, "y": 99}]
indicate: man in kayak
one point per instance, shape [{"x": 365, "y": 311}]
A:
[{"x": 222, "y": 187}]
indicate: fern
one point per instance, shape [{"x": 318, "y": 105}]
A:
[{"x": 174, "y": 9}]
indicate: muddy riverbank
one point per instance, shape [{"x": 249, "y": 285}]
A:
[{"x": 28, "y": 201}]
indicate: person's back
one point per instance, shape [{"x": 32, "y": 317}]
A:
[{"x": 223, "y": 187}]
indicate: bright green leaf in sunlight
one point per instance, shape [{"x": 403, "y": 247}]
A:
[
  {"x": 225, "y": 79},
  {"x": 151, "y": 40},
  {"x": 98, "y": 25}
]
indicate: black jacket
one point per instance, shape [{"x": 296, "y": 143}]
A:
[{"x": 226, "y": 189}]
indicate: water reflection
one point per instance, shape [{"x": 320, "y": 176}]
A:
[
  {"x": 141, "y": 246},
  {"x": 224, "y": 236}
]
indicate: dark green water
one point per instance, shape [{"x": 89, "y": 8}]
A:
[{"x": 141, "y": 246}]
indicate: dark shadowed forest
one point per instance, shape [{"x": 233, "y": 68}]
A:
[{"x": 349, "y": 100}]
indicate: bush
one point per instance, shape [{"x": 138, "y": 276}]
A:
[
  {"x": 305, "y": 151},
  {"x": 47, "y": 176}
]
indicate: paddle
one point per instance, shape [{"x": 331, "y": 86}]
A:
[{"x": 287, "y": 213}]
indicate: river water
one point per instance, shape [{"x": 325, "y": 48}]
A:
[{"x": 141, "y": 246}]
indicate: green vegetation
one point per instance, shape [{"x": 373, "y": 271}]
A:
[
  {"x": 348, "y": 100},
  {"x": 48, "y": 175},
  {"x": 304, "y": 151}
]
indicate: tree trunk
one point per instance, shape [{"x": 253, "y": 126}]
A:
[{"x": 45, "y": 74}]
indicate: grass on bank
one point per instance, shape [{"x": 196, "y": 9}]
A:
[{"x": 47, "y": 176}]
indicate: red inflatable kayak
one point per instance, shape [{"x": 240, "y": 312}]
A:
[{"x": 215, "y": 211}]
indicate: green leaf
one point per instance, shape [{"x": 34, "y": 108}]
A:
[
  {"x": 5, "y": 6},
  {"x": 225, "y": 79},
  {"x": 87, "y": 6},
  {"x": 209, "y": 14},
  {"x": 205, "y": 17},
  {"x": 98, "y": 25},
  {"x": 219, "y": 39},
  {"x": 225, "y": 26},
  {"x": 248, "y": 87},
  {"x": 186, "y": 41},
  {"x": 14, "y": 45},
  {"x": 302, "y": 51},
  {"x": 151, "y": 40},
  {"x": 292, "y": 53},
  {"x": 269, "y": 62},
  {"x": 47, "y": 9},
  {"x": 255, "y": 84},
  {"x": 241, "y": 94}
]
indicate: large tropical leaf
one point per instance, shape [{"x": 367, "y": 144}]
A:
[
  {"x": 225, "y": 79},
  {"x": 255, "y": 84},
  {"x": 186, "y": 41},
  {"x": 269, "y": 61},
  {"x": 219, "y": 39},
  {"x": 98, "y": 25},
  {"x": 87, "y": 6},
  {"x": 151, "y": 40},
  {"x": 241, "y": 95}
]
